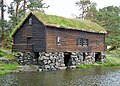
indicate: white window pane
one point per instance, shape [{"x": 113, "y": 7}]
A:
[{"x": 58, "y": 40}]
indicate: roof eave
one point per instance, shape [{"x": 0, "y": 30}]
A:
[{"x": 70, "y": 28}]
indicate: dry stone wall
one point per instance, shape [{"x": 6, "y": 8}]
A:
[
  {"x": 55, "y": 60},
  {"x": 103, "y": 57},
  {"x": 89, "y": 58},
  {"x": 26, "y": 58},
  {"x": 51, "y": 61},
  {"x": 77, "y": 58}
]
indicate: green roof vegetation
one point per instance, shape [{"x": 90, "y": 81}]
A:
[{"x": 57, "y": 21}]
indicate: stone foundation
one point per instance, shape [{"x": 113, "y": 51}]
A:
[
  {"x": 103, "y": 57},
  {"x": 56, "y": 60},
  {"x": 26, "y": 58},
  {"x": 51, "y": 61}
]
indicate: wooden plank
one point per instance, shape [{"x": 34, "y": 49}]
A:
[
  {"x": 69, "y": 40},
  {"x": 37, "y": 33}
]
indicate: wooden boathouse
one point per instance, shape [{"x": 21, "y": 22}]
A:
[{"x": 39, "y": 32}]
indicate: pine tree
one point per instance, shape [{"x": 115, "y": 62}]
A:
[
  {"x": 84, "y": 7},
  {"x": 2, "y": 22}
]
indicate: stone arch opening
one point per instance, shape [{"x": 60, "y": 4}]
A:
[
  {"x": 67, "y": 59},
  {"x": 97, "y": 56}
]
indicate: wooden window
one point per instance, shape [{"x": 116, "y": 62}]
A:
[
  {"x": 80, "y": 42},
  {"x": 30, "y": 21},
  {"x": 58, "y": 40},
  {"x": 83, "y": 42}
]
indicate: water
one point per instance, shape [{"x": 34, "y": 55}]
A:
[{"x": 109, "y": 76}]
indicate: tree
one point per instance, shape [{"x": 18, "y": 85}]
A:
[
  {"x": 24, "y": 7},
  {"x": 109, "y": 18},
  {"x": 21, "y": 6},
  {"x": 2, "y": 21},
  {"x": 84, "y": 7},
  {"x": 17, "y": 9},
  {"x": 36, "y": 5},
  {"x": 12, "y": 16},
  {"x": 91, "y": 12}
]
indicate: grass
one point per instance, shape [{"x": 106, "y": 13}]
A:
[
  {"x": 2, "y": 53},
  {"x": 67, "y": 23},
  {"x": 114, "y": 56},
  {"x": 113, "y": 59},
  {"x": 6, "y": 55},
  {"x": 7, "y": 68},
  {"x": 97, "y": 64}
]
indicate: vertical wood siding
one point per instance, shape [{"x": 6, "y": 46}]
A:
[{"x": 38, "y": 35}]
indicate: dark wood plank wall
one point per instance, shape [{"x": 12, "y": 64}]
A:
[
  {"x": 38, "y": 35},
  {"x": 20, "y": 38},
  {"x": 22, "y": 47},
  {"x": 69, "y": 41}
]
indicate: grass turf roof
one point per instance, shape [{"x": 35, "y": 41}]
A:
[{"x": 57, "y": 21}]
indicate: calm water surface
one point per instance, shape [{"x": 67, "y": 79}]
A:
[{"x": 108, "y": 76}]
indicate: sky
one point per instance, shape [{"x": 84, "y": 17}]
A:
[{"x": 67, "y": 8}]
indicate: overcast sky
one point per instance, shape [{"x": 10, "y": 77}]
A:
[{"x": 67, "y": 8}]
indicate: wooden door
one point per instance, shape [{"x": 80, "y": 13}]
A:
[{"x": 29, "y": 43}]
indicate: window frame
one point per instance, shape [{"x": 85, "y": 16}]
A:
[
  {"x": 82, "y": 42},
  {"x": 58, "y": 40}
]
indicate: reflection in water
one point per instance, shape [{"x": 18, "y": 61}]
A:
[
  {"x": 8, "y": 80},
  {"x": 88, "y": 77},
  {"x": 67, "y": 75}
]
